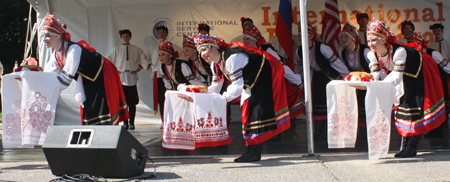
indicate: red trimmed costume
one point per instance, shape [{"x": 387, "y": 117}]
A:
[
  {"x": 257, "y": 77},
  {"x": 293, "y": 82},
  {"x": 419, "y": 101},
  {"x": 93, "y": 72}
]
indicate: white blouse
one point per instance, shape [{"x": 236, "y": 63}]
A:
[
  {"x": 288, "y": 73},
  {"x": 187, "y": 73},
  {"x": 234, "y": 64},
  {"x": 395, "y": 77}
]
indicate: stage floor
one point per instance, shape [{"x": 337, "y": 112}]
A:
[{"x": 292, "y": 141}]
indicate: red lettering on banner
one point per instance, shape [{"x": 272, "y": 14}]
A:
[
  {"x": 408, "y": 14},
  {"x": 369, "y": 12},
  {"x": 381, "y": 13},
  {"x": 343, "y": 17},
  {"x": 441, "y": 18},
  {"x": 275, "y": 14},
  {"x": 428, "y": 16},
  {"x": 271, "y": 32},
  {"x": 266, "y": 16},
  {"x": 391, "y": 19},
  {"x": 311, "y": 14},
  {"x": 353, "y": 17}
]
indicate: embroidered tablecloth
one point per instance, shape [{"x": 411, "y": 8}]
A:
[
  {"x": 28, "y": 107},
  {"x": 194, "y": 120},
  {"x": 342, "y": 115}
]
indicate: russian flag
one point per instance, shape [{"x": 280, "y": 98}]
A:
[{"x": 284, "y": 30}]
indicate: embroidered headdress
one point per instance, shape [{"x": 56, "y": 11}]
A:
[
  {"x": 378, "y": 29},
  {"x": 167, "y": 47},
  {"x": 250, "y": 31},
  {"x": 54, "y": 26},
  {"x": 352, "y": 32},
  {"x": 202, "y": 40},
  {"x": 188, "y": 42}
]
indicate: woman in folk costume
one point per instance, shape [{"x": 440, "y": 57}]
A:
[
  {"x": 407, "y": 28},
  {"x": 419, "y": 43},
  {"x": 200, "y": 67},
  {"x": 294, "y": 85},
  {"x": 419, "y": 98},
  {"x": 354, "y": 55},
  {"x": 93, "y": 72},
  {"x": 257, "y": 78},
  {"x": 175, "y": 71},
  {"x": 324, "y": 66}
]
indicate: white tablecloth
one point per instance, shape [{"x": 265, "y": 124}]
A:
[
  {"x": 199, "y": 123},
  {"x": 28, "y": 107},
  {"x": 343, "y": 115}
]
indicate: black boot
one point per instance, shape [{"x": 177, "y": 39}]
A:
[
  {"x": 403, "y": 145},
  {"x": 125, "y": 124},
  {"x": 253, "y": 154},
  {"x": 410, "y": 150}
]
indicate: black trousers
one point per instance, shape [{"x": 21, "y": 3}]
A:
[
  {"x": 161, "y": 97},
  {"x": 132, "y": 97}
]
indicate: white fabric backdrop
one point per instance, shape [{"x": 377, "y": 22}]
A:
[{"x": 98, "y": 22}]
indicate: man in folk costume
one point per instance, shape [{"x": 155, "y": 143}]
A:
[
  {"x": 257, "y": 78},
  {"x": 439, "y": 44},
  {"x": 203, "y": 28},
  {"x": 324, "y": 66},
  {"x": 354, "y": 55},
  {"x": 200, "y": 67},
  {"x": 93, "y": 72},
  {"x": 243, "y": 21},
  {"x": 127, "y": 59},
  {"x": 419, "y": 99},
  {"x": 419, "y": 43},
  {"x": 151, "y": 57},
  {"x": 363, "y": 19},
  {"x": 294, "y": 85},
  {"x": 407, "y": 28},
  {"x": 175, "y": 71}
]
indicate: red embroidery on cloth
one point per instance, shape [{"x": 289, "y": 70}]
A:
[
  {"x": 379, "y": 133},
  {"x": 342, "y": 123},
  {"x": 210, "y": 122},
  {"x": 36, "y": 117},
  {"x": 12, "y": 121}
]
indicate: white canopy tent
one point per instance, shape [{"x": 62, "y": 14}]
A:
[{"x": 98, "y": 21}]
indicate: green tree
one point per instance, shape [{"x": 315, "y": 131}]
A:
[{"x": 13, "y": 30}]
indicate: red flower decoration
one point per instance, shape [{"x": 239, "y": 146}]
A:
[
  {"x": 431, "y": 27},
  {"x": 120, "y": 31},
  {"x": 242, "y": 19},
  {"x": 157, "y": 27}
]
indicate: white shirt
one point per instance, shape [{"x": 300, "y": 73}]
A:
[
  {"x": 234, "y": 63},
  {"x": 395, "y": 77},
  {"x": 151, "y": 57},
  {"x": 444, "y": 48},
  {"x": 71, "y": 64},
  {"x": 288, "y": 73},
  {"x": 438, "y": 58},
  {"x": 66, "y": 74},
  {"x": 118, "y": 56},
  {"x": 187, "y": 73},
  {"x": 327, "y": 52}
]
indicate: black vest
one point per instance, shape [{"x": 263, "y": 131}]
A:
[
  {"x": 90, "y": 62},
  {"x": 361, "y": 59},
  {"x": 204, "y": 65},
  {"x": 323, "y": 63},
  {"x": 179, "y": 77},
  {"x": 413, "y": 63}
]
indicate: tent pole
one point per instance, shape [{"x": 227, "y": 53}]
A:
[{"x": 307, "y": 77}]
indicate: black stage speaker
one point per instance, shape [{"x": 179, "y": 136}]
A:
[{"x": 107, "y": 151}]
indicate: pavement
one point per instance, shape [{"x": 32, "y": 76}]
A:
[{"x": 283, "y": 160}]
